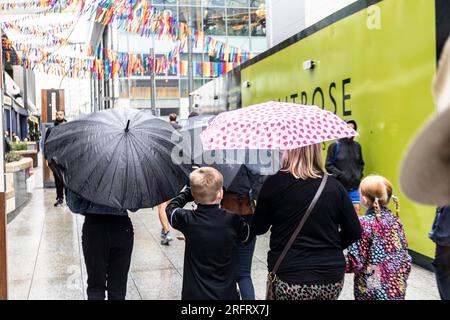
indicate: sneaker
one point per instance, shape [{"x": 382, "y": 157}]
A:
[
  {"x": 166, "y": 240},
  {"x": 58, "y": 203}
]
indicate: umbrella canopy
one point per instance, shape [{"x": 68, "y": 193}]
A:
[
  {"x": 119, "y": 158},
  {"x": 274, "y": 126},
  {"x": 192, "y": 145},
  {"x": 241, "y": 178},
  {"x": 243, "y": 172}
]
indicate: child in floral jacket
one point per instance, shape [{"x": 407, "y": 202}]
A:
[{"x": 380, "y": 259}]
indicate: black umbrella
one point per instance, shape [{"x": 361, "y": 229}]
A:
[{"x": 121, "y": 158}]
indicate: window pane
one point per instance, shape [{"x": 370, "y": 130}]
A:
[
  {"x": 214, "y": 3},
  {"x": 238, "y": 3},
  {"x": 184, "y": 88},
  {"x": 172, "y": 11},
  {"x": 238, "y": 22},
  {"x": 190, "y": 2},
  {"x": 167, "y": 89},
  {"x": 257, "y": 3},
  {"x": 165, "y": 2},
  {"x": 140, "y": 89},
  {"x": 123, "y": 89},
  {"x": 196, "y": 16},
  {"x": 258, "y": 21},
  {"x": 214, "y": 21}
]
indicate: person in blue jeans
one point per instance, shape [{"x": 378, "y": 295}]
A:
[
  {"x": 440, "y": 235},
  {"x": 243, "y": 256},
  {"x": 345, "y": 162}
]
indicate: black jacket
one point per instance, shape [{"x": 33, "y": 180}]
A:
[
  {"x": 316, "y": 256},
  {"x": 348, "y": 165},
  {"x": 49, "y": 130},
  {"x": 211, "y": 236}
]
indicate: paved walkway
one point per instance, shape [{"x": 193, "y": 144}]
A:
[{"x": 45, "y": 260}]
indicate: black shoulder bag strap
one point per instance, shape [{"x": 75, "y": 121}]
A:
[{"x": 302, "y": 222}]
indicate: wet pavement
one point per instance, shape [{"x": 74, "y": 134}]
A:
[{"x": 45, "y": 259}]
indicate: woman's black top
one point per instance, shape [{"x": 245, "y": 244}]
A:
[{"x": 316, "y": 256}]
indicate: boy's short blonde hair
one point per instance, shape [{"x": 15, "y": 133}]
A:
[{"x": 205, "y": 184}]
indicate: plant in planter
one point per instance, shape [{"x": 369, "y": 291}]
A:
[
  {"x": 18, "y": 146},
  {"x": 12, "y": 157}
]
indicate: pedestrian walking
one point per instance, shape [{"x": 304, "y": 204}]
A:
[
  {"x": 440, "y": 235},
  {"x": 345, "y": 162},
  {"x": 7, "y": 142},
  {"x": 173, "y": 121},
  {"x": 60, "y": 189},
  {"x": 211, "y": 236},
  {"x": 243, "y": 205},
  {"x": 312, "y": 267},
  {"x": 380, "y": 259},
  {"x": 107, "y": 241},
  {"x": 166, "y": 237}
]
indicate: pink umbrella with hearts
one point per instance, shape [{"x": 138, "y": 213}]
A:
[{"x": 274, "y": 126}]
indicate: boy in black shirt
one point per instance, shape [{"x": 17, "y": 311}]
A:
[{"x": 211, "y": 236}]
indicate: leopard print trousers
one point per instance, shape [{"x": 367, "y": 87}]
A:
[{"x": 285, "y": 291}]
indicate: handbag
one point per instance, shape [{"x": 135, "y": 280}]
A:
[{"x": 272, "y": 276}]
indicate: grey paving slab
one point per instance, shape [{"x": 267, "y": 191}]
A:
[
  {"x": 64, "y": 288},
  {"x": 159, "y": 284}
]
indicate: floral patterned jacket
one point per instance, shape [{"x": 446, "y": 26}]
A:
[{"x": 380, "y": 259}]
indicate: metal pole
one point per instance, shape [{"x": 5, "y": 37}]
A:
[
  {"x": 3, "y": 221},
  {"x": 25, "y": 91},
  {"x": 152, "y": 77},
  {"x": 190, "y": 62}
]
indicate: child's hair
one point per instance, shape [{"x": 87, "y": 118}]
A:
[
  {"x": 378, "y": 191},
  {"x": 205, "y": 184}
]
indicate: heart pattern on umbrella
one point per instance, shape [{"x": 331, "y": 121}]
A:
[{"x": 274, "y": 125}]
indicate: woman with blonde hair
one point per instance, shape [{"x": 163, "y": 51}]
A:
[
  {"x": 380, "y": 259},
  {"x": 312, "y": 265}
]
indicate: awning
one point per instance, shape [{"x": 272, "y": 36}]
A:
[
  {"x": 12, "y": 89},
  {"x": 19, "y": 109}
]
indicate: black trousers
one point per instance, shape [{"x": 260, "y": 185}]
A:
[
  {"x": 107, "y": 246},
  {"x": 441, "y": 266},
  {"x": 60, "y": 190}
]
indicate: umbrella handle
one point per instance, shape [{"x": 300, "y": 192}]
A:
[{"x": 128, "y": 125}]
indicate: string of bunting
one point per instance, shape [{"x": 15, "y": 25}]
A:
[
  {"x": 136, "y": 16},
  {"x": 29, "y": 4}
]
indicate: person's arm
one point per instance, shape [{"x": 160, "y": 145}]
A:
[
  {"x": 261, "y": 218},
  {"x": 359, "y": 251},
  {"x": 76, "y": 203},
  {"x": 176, "y": 215},
  {"x": 349, "y": 222},
  {"x": 330, "y": 162},
  {"x": 361, "y": 161}
]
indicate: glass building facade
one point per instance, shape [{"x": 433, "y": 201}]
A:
[{"x": 239, "y": 23}]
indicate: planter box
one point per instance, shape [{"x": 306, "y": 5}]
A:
[
  {"x": 18, "y": 183},
  {"x": 33, "y": 154},
  {"x": 32, "y": 145}
]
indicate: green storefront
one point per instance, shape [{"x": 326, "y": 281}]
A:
[{"x": 374, "y": 63}]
